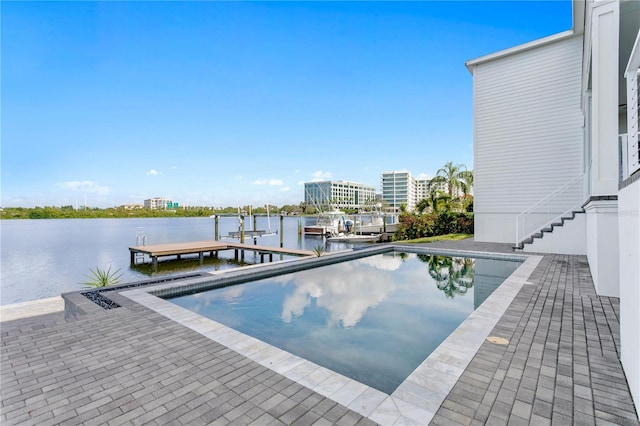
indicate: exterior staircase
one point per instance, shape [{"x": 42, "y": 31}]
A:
[
  {"x": 550, "y": 212},
  {"x": 548, "y": 229}
]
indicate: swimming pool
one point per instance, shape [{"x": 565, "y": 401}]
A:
[
  {"x": 373, "y": 319},
  {"x": 418, "y": 397}
]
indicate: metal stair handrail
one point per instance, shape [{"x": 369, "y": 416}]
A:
[{"x": 559, "y": 203}]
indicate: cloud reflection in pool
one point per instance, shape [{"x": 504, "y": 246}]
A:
[{"x": 373, "y": 319}]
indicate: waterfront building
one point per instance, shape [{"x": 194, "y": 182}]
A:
[
  {"x": 442, "y": 186},
  {"x": 424, "y": 186},
  {"x": 556, "y": 152},
  {"x": 339, "y": 194},
  {"x": 158, "y": 203},
  {"x": 132, "y": 206},
  {"x": 399, "y": 188}
]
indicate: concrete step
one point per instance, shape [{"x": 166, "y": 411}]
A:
[{"x": 550, "y": 228}]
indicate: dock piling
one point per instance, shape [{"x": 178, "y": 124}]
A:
[{"x": 281, "y": 231}]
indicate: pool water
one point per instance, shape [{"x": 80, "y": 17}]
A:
[{"x": 373, "y": 319}]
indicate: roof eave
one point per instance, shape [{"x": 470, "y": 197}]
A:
[{"x": 578, "y": 17}]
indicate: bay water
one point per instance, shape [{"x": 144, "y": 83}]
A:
[{"x": 47, "y": 257}]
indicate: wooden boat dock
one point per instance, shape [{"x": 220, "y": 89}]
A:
[{"x": 157, "y": 251}]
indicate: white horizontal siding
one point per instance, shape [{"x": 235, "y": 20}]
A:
[{"x": 528, "y": 127}]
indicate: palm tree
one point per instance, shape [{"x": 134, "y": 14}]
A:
[
  {"x": 452, "y": 175},
  {"x": 467, "y": 184},
  {"x": 438, "y": 200},
  {"x": 422, "y": 205},
  {"x": 443, "y": 203},
  {"x": 463, "y": 271},
  {"x": 453, "y": 276}
]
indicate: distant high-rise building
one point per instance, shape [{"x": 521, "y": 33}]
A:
[
  {"x": 399, "y": 188},
  {"x": 339, "y": 194},
  {"x": 424, "y": 186}
]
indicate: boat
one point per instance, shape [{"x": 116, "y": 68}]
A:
[
  {"x": 367, "y": 224},
  {"x": 372, "y": 220},
  {"x": 329, "y": 223},
  {"x": 353, "y": 238}
]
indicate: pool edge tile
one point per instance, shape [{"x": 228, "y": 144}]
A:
[{"x": 401, "y": 407}]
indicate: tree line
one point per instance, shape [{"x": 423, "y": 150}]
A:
[{"x": 69, "y": 212}]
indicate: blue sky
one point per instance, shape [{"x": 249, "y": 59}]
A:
[{"x": 236, "y": 103}]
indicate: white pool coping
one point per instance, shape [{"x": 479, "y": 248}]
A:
[
  {"x": 417, "y": 398},
  {"x": 31, "y": 308}
]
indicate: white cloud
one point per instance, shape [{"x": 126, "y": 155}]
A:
[
  {"x": 84, "y": 186},
  {"x": 320, "y": 175},
  {"x": 270, "y": 182},
  {"x": 153, "y": 172},
  {"x": 425, "y": 176},
  {"x": 285, "y": 189},
  {"x": 345, "y": 292}
]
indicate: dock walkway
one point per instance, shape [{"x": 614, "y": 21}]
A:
[{"x": 212, "y": 247}]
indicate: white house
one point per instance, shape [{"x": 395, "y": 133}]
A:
[{"x": 556, "y": 152}]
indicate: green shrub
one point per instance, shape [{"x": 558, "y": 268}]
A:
[
  {"x": 103, "y": 278},
  {"x": 412, "y": 226},
  {"x": 464, "y": 223},
  {"x": 318, "y": 250}
]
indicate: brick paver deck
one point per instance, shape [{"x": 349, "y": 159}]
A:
[
  {"x": 561, "y": 365},
  {"x": 133, "y": 366}
]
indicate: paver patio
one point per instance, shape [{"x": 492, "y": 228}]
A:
[{"x": 131, "y": 365}]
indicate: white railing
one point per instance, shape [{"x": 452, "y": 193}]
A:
[
  {"x": 628, "y": 155},
  {"x": 623, "y": 157},
  {"x": 550, "y": 209},
  {"x": 632, "y": 75}
]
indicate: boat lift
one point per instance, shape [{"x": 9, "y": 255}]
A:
[{"x": 252, "y": 233}]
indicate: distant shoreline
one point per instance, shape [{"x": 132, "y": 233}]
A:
[{"x": 16, "y": 213}]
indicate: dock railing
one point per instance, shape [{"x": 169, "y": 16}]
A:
[{"x": 551, "y": 209}]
